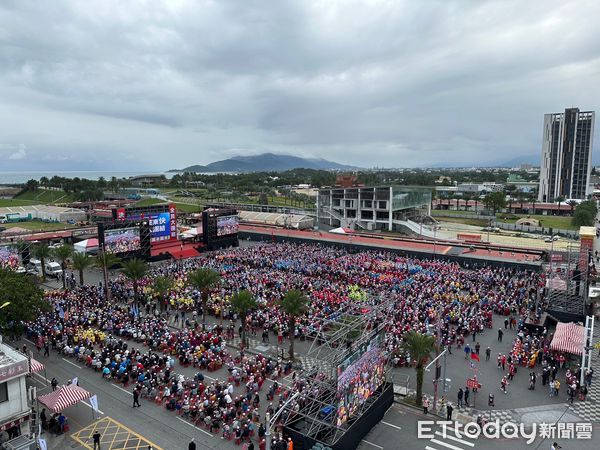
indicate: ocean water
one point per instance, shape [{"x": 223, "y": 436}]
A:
[{"x": 22, "y": 177}]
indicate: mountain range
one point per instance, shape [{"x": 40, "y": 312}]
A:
[{"x": 269, "y": 162}]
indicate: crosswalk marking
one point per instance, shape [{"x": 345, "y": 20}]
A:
[
  {"x": 453, "y": 438},
  {"x": 445, "y": 444}
]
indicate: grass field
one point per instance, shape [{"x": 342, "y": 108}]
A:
[
  {"x": 150, "y": 202},
  {"x": 35, "y": 225},
  {"x": 562, "y": 222},
  {"x": 43, "y": 196},
  {"x": 188, "y": 208},
  {"x": 450, "y": 212},
  {"x": 8, "y": 202}
]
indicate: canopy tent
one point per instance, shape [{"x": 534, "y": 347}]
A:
[
  {"x": 296, "y": 221},
  {"x": 569, "y": 338},
  {"x": 341, "y": 230},
  {"x": 63, "y": 397},
  {"x": 36, "y": 366},
  {"x": 86, "y": 245}
]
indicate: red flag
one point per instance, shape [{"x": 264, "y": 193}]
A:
[{"x": 475, "y": 356}]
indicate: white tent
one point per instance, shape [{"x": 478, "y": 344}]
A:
[
  {"x": 86, "y": 246},
  {"x": 341, "y": 230}
]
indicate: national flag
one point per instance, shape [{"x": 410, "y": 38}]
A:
[{"x": 475, "y": 356}]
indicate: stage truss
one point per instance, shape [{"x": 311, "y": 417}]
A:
[{"x": 350, "y": 327}]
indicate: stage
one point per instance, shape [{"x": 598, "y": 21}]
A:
[{"x": 175, "y": 249}]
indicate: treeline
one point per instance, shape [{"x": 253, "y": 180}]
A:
[{"x": 85, "y": 189}]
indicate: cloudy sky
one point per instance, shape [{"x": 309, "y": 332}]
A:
[{"x": 151, "y": 85}]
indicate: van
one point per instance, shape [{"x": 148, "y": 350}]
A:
[
  {"x": 35, "y": 264},
  {"x": 53, "y": 269}
]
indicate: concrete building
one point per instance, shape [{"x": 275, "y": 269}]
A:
[
  {"x": 373, "y": 208},
  {"x": 479, "y": 188},
  {"x": 14, "y": 407},
  {"x": 566, "y": 164}
]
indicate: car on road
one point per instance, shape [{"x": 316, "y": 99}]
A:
[
  {"x": 552, "y": 239},
  {"x": 53, "y": 269}
]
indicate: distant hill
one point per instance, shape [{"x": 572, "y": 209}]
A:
[{"x": 265, "y": 162}]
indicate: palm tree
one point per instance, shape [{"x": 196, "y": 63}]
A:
[
  {"x": 135, "y": 269},
  {"x": 203, "y": 280},
  {"x": 419, "y": 346},
  {"x": 42, "y": 252},
  {"x": 559, "y": 200},
  {"x": 105, "y": 261},
  {"x": 294, "y": 303},
  {"x": 242, "y": 302},
  {"x": 161, "y": 286},
  {"x": 81, "y": 261},
  {"x": 572, "y": 204},
  {"x": 62, "y": 254}
]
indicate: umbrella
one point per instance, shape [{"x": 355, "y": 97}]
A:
[{"x": 63, "y": 397}]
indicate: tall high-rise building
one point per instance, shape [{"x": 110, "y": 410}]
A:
[{"x": 566, "y": 155}]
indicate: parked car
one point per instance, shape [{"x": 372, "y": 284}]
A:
[{"x": 53, "y": 269}]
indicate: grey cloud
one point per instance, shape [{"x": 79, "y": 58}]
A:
[{"x": 389, "y": 83}]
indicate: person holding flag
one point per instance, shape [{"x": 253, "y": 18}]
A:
[{"x": 475, "y": 356}]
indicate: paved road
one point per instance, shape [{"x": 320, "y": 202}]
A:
[{"x": 399, "y": 430}]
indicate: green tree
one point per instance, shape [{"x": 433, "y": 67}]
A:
[
  {"x": 135, "y": 269},
  {"x": 42, "y": 252},
  {"x": 242, "y": 302},
  {"x": 23, "y": 299},
  {"x": 80, "y": 262},
  {"x": 294, "y": 303},
  {"x": 495, "y": 201},
  {"x": 263, "y": 199},
  {"x": 161, "y": 286},
  {"x": 32, "y": 185},
  {"x": 203, "y": 280},
  {"x": 585, "y": 214},
  {"x": 420, "y": 347},
  {"x": 62, "y": 254},
  {"x": 572, "y": 203},
  {"x": 105, "y": 261},
  {"x": 559, "y": 200}
]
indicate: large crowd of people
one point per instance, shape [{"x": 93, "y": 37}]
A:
[{"x": 134, "y": 342}]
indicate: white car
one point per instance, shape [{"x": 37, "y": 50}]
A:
[{"x": 53, "y": 269}]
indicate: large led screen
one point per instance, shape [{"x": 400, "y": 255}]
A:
[
  {"x": 122, "y": 240},
  {"x": 227, "y": 225},
  {"x": 359, "y": 376}
]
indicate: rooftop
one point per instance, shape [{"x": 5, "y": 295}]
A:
[{"x": 9, "y": 356}]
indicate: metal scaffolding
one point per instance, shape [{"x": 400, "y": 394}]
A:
[
  {"x": 566, "y": 283},
  {"x": 339, "y": 335}
]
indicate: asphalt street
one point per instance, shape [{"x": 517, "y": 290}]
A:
[{"x": 399, "y": 430}]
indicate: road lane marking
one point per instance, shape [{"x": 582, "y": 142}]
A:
[
  {"x": 91, "y": 407},
  {"x": 73, "y": 364},
  {"x": 43, "y": 378},
  {"x": 445, "y": 444},
  {"x": 427, "y": 447},
  {"x": 391, "y": 425},
  {"x": 456, "y": 439},
  {"x": 366, "y": 442},
  {"x": 191, "y": 425},
  {"x": 124, "y": 390}
]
